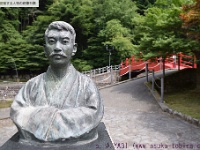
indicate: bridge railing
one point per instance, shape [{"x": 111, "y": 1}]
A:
[
  {"x": 111, "y": 74},
  {"x": 105, "y": 75},
  {"x": 97, "y": 71},
  {"x": 179, "y": 61}
]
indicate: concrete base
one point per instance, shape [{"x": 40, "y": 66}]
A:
[{"x": 103, "y": 142}]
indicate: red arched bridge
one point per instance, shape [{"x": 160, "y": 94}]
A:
[
  {"x": 179, "y": 61},
  {"x": 111, "y": 74}
]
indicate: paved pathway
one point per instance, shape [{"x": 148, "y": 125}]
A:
[
  {"x": 7, "y": 129},
  {"x": 135, "y": 121}
]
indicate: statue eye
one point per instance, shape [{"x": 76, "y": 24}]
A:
[
  {"x": 65, "y": 41},
  {"x": 51, "y": 41}
]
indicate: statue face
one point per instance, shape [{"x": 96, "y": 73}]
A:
[{"x": 59, "y": 47}]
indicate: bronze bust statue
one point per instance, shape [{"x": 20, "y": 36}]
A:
[{"x": 61, "y": 105}]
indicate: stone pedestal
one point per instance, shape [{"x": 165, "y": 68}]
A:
[{"x": 102, "y": 143}]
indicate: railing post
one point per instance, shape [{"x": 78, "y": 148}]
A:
[
  {"x": 195, "y": 63},
  {"x": 127, "y": 62},
  {"x": 129, "y": 71},
  {"x": 91, "y": 74},
  {"x": 179, "y": 62},
  {"x": 153, "y": 80},
  {"x": 146, "y": 71},
  {"x": 162, "y": 89},
  {"x": 111, "y": 80},
  {"x": 192, "y": 61},
  {"x": 94, "y": 75},
  {"x": 174, "y": 59}
]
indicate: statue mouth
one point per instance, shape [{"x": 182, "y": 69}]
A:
[{"x": 58, "y": 55}]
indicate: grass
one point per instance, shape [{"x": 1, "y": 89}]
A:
[
  {"x": 186, "y": 102},
  {"x": 5, "y": 103}
]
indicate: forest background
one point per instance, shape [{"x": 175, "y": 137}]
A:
[{"x": 152, "y": 28}]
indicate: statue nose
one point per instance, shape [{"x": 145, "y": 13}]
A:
[{"x": 58, "y": 47}]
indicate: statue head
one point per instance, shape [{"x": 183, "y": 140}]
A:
[{"x": 60, "y": 43}]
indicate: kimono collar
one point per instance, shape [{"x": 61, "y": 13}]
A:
[{"x": 51, "y": 74}]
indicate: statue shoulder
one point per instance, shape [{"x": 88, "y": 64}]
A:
[
  {"x": 86, "y": 80},
  {"x": 36, "y": 79},
  {"x": 84, "y": 77}
]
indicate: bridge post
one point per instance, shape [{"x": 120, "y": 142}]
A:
[
  {"x": 163, "y": 62},
  {"x": 194, "y": 61},
  {"x": 162, "y": 89},
  {"x": 179, "y": 61},
  {"x": 174, "y": 59},
  {"x": 146, "y": 71},
  {"x": 129, "y": 71},
  {"x": 153, "y": 80}
]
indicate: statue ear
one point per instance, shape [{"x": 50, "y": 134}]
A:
[{"x": 74, "y": 49}]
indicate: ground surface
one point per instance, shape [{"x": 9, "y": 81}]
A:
[
  {"x": 133, "y": 118},
  {"x": 186, "y": 102},
  {"x": 135, "y": 121}
]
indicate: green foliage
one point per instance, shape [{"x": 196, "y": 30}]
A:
[
  {"x": 11, "y": 43},
  {"x": 159, "y": 32},
  {"x": 154, "y": 31},
  {"x": 143, "y": 5},
  {"x": 114, "y": 26},
  {"x": 79, "y": 13},
  {"x": 15, "y": 51},
  {"x": 34, "y": 34},
  {"x": 89, "y": 18},
  {"x": 119, "y": 37},
  {"x": 36, "y": 58},
  {"x": 81, "y": 65}
]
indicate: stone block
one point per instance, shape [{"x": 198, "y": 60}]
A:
[{"x": 103, "y": 142}]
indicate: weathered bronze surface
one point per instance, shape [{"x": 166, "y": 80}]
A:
[{"x": 61, "y": 105}]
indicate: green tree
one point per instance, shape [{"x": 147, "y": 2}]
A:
[
  {"x": 119, "y": 37},
  {"x": 79, "y": 13},
  {"x": 74, "y": 12},
  {"x": 89, "y": 18},
  {"x": 191, "y": 25},
  {"x": 111, "y": 19},
  {"x": 12, "y": 45},
  {"x": 143, "y": 5},
  {"x": 159, "y": 32},
  {"x": 18, "y": 48}
]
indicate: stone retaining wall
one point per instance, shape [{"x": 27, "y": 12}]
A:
[
  {"x": 183, "y": 79},
  {"x": 9, "y": 90}
]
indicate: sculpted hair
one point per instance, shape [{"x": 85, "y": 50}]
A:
[{"x": 61, "y": 25}]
